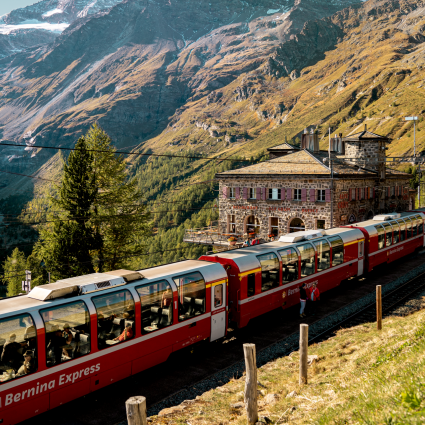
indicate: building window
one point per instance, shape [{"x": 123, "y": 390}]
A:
[
  {"x": 362, "y": 193},
  {"x": 274, "y": 194},
  {"x": 232, "y": 193},
  {"x": 297, "y": 194},
  {"x": 296, "y": 225},
  {"x": 251, "y": 193},
  {"x": 392, "y": 190},
  {"x": 321, "y": 224},
  {"x": 352, "y": 194},
  {"x": 231, "y": 224},
  {"x": 274, "y": 226},
  {"x": 321, "y": 195}
]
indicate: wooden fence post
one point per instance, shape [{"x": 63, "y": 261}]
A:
[
  {"x": 303, "y": 353},
  {"x": 250, "y": 397},
  {"x": 378, "y": 307},
  {"x": 136, "y": 411}
]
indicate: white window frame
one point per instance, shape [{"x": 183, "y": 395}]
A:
[
  {"x": 297, "y": 194},
  {"x": 231, "y": 220},
  {"x": 362, "y": 194},
  {"x": 392, "y": 191},
  {"x": 251, "y": 193},
  {"x": 231, "y": 193},
  {"x": 274, "y": 194},
  {"x": 321, "y": 195},
  {"x": 274, "y": 226}
]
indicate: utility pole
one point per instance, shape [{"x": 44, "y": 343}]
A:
[
  {"x": 332, "y": 180},
  {"x": 414, "y": 119}
]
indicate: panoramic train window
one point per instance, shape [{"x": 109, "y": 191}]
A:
[
  {"x": 402, "y": 229},
  {"x": 408, "y": 227},
  {"x": 218, "y": 295},
  {"x": 388, "y": 234},
  {"x": 269, "y": 271},
  {"x": 251, "y": 285},
  {"x": 289, "y": 265},
  {"x": 381, "y": 236},
  {"x": 67, "y": 332},
  {"x": 18, "y": 347},
  {"x": 115, "y": 318},
  {"x": 323, "y": 255},
  {"x": 156, "y": 300},
  {"x": 307, "y": 259},
  {"x": 192, "y": 295},
  {"x": 396, "y": 231},
  {"x": 337, "y": 250},
  {"x": 414, "y": 226},
  {"x": 420, "y": 225}
]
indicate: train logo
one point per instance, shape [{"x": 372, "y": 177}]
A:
[{"x": 283, "y": 294}]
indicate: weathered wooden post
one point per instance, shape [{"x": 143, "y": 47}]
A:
[
  {"x": 378, "y": 307},
  {"x": 303, "y": 353},
  {"x": 250, "y": 397},
  {"x": 136, "y": 411}
]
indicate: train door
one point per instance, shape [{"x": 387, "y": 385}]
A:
[
  {"x": 361, "y": 258},
  {"x": 218, "y": 310}
]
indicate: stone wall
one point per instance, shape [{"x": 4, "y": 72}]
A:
[
  {"x": 365, "y": 154},
  {"x": 344, "y": 209}
]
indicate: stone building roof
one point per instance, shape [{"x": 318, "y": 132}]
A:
[
  {"x": 365, "y": 136},
  {"x": 283, "y": 146},
  {"x": 306, "y": 163}
]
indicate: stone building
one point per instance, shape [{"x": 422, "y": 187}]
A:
[{"x": 308, "y": 189}]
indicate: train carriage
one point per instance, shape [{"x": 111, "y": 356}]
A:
[
  {"x": 389, "y": 237},
  {"x": 267, "y": 276},
  {"x": 121, "y": 323}
]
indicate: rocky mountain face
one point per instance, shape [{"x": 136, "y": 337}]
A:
[
  {"x": 39, "y": 24},
  {"x": 134, "y": 66}
]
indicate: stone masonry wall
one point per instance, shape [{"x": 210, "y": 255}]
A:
[{"x": 344, "y": 209}]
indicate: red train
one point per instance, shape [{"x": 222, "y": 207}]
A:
[{"x": 69, "y": 338}]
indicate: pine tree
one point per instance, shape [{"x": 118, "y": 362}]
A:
[
  {"x": 14, "y": 272},
  {"x": 119, "y": 217},
  {"x": 66, "y": 246}
]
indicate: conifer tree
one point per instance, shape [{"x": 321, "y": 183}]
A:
[
  {"x": 66, "y": 246},
  {"x": 14, "y": 272}
]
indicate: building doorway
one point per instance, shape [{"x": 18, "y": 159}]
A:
[
  {"x": 296, "y": 225},
  {"x": 252, "y": 224}
]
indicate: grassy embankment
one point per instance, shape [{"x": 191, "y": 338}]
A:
[{"x": 360, "y": 376}]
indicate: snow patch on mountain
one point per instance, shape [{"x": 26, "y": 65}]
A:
[
  {"x": 57, "y": 28},
  {"x": 52, "y": 12},
  {"x": 270, "y": 11}
]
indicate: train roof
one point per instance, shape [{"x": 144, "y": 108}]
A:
[
  {"x": 385, "y": 218},
  {"x": 246, "y": 258}
]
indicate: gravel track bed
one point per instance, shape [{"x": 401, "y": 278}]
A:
[{"x": 289, "y": 344}]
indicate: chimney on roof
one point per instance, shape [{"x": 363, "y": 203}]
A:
[{"x": 365, "y": 127}]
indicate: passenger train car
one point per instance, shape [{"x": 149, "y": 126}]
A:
[{"x": 69, "y": 338}]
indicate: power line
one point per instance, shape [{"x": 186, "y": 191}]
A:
[
  {"x": 125, "y": 153},
  {"x": 31, "y": 177}
]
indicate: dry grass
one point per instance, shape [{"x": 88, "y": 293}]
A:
[{"x": 360, "y": 376}]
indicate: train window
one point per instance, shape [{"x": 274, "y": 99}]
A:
[
  {"x": 414, "y": 226},
  {"x": 420, "y": 225},
  {"x": 396, "y": 231},
  {"x": 408, "y": 227},
  {"x": 156, "y": 300},
  {"x": 269, "y": 271},
  {"x": 388, "y": 234},
  {"x": 218, "y": 295},
  {"x": 18, "y": 347},
  {"x": 67, "y": 332},
  {"x": 115, "y": 318},
  {"x": 192, "y": 295},
  {"x": 323, "y": 255},
  {"x": 337, "y": 250},
  {"x": 289, "y": 265},
  {"x": 251, "y": 285},
  {"x": 402, "y": 229},
  {"x": 307, "y": 259},
  {"x": 381, "y": 236}
]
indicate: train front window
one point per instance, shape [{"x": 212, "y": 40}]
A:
[
  {"x": 323, "y": 255},
  {"x": 307, "y": 259},
  {"x": 115, "y": 318},
  {"x": 402, "y": 230},
  {"x": 388, "y": 234},
  {"x": 420, "y": 223},
  {"x": 67, "y": 332},
  {"x": 156, "y": 300},
  {"x": 337, "y": 250},
  {"x": 396, "y": 231},
  {"x": 18, "y": 347},
  {"x": 381, "y": 236},
  {"x": 192, "y": 294},
  {"x": 408, "y": 227},
  {"x": 289, "y": 265},
  {"x": 269, "y": 271}
]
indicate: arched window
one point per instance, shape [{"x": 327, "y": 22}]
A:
[{"x": 296, "y": 225}]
